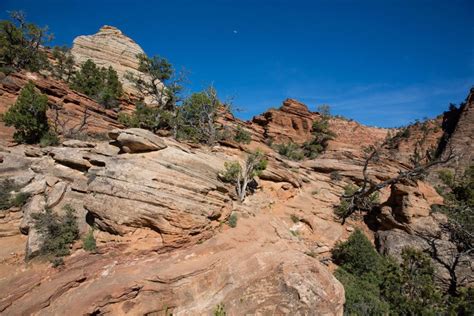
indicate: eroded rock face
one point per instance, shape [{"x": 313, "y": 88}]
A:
[
  {"x": 109, "y": 47},
  {"x": 71, "y": 105}
]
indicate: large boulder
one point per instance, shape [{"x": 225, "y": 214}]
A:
[{"x": 136, "y": 140}]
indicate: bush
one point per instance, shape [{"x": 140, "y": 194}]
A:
[
  {"x": 357, "y": 255},
  {"x": 321, "y": 136},
  {"x": 231, "y": 171},
  {"x": 57, "y": 232},
  {"x": 362, "y": 296},
  {"x": 28, "y": 115},
  {"x": 8, "y": 197},
  {"x": 49, "y": 139},
  {"x": 100, "y": 84},
  {"x": 63, "y": 68},
  {"x": 376, "y": 285},
  {"x": 242, "y": 136},
  {"x": 88, "y": 242},
  {"x": 290, "y": 150},
  {"x": 150, "y": 118},
  {"x": 196, "y": 118},
  {"x": 232, "y": 221},
  {"x": 21, "y": 44},
  {"x": 157, "y": 69},
  {"x": 220, "y": 310}
]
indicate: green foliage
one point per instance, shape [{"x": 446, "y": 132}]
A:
[
  {"x": 21, "y": 42},
  {"x": 196, "y": 117},
  {"x": 8, "y": 197},
  {"x": 151, "y": 118},
  {"x": 166, "y": 94},
  {"x": 63, "y": 68},
  {"x": 291, "y": 151},
  {"x": 232, "y": 221},
  {"x": 231, "y": 171},
  {"x": 357, "y": 255},
  {"x": 28, "y": 115},
  {"x": 49, "y": 139},
  {"x": 101, "y": 84},
  {"x": 321, "y": 137},
  {"x": 362, "y": 295},
  {"x": 410, "y": 287},
  {"x": 88, "y": 242},
  {"x": 242, "y": 136},
  {"x": 220, "y": 310},
  {"x": 377, "y": 285},
  {"x": 57, "y": 232}
]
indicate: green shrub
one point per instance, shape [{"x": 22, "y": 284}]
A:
[
  {"x": 8, "y": 197},
  {"x": 28, "y": 115},
  {"x": 321, "y": 136},
  {"x": 150, "y": 118},
  {"x": 242, "y": 136},
  {"x": 291, "y": 151},
  {"x": 295, "y": 219},
  {"x": 88, "y": 242},
  {"x": 158, "y": 69},
  {"x": 220, "y": 310},
  {"x": 57, "y": 232},
  {"x": 196, "y": 117},
  {"x": 231, "y": 171},
  {"x": 357, "y": 255},
  {"x": 410, "y": 288},
  {"x": 63, "y": 68},
  {"x": 232, "y": 221},
  {"x": 21, "y": 44},
  {"x": 362, "y": 295},
  {"x": 100, "y": 84},
  {"x": 49, "y": 139}
]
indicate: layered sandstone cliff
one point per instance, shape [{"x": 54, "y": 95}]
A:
[{"x": 110, "y": 47}]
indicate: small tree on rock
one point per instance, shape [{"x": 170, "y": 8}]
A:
[
  {"x": 28, "y": 115},
  {"x": 242, "y": 176},
  {"x": 20, "y": 43}
]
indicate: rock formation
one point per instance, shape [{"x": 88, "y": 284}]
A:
[{"x": 109, "y": 47}]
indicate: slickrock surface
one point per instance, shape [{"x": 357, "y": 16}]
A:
[{"x": 109, "y": 47}]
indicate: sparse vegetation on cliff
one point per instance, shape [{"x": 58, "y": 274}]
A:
[
  {"x": 57, "y": 232},
  {"x": 377, "y": 285},
  {"x": 21, "y": 44},
  {"x": 101, "y": 84},
  {"x": 28, "y": 115},
  {"x": 242, "y": 176},
  {"x": 9, "y": 195}
]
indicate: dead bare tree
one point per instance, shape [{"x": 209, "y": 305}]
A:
[
  {"x": 360, "y": 200},
  {"x": 63, "y": 124}
]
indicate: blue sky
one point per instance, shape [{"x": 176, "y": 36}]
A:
[{"x": 383, "y": 63}]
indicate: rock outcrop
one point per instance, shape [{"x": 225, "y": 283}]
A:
[
  {"x": 71, "y": 105},
  {"x": 110, "y": 47}
]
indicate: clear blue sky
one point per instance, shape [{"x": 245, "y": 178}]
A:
[{"x": 382, "y": 63}]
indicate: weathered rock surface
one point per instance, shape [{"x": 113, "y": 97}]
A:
[
  {"x": 136, "y": 140},
  {"x": 71, "y": 104},
  {"x": 110, "y": 47}
]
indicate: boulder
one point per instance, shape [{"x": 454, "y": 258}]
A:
[{"x": 137, "y": 140}]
